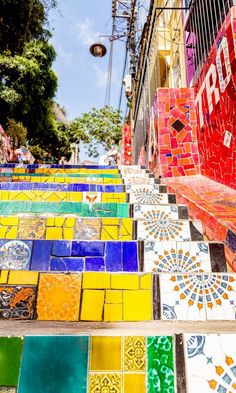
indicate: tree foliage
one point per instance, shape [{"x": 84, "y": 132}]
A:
[
  {"x": 27, "y": 81},
  {"x": 17, "y": 133},
  {"x": 98, "y": 126}
]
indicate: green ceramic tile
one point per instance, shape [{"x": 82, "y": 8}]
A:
[
  {"x": 160, "y": 364},
  {"x": 10, "y": 358},
  {"x": 54, "y": 364},
  {"x": 81, "y": 209}
]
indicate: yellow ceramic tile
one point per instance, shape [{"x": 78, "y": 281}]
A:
[
  {"x": 146, "y": 281},
  {"x": 92, "y": 305},
  {"x": 110, "y": 221},
  {"x": 126, "y": 228},
  {"x": 11, "y": 221},
  {"x": 134, "y": 383},
  {"x": 124, "y": 281},
  {"x": 75, "y": 196},
  {"x": 137, "y": 305},
  {"x": 53, "y": 233},
  {"x": 21, "y": 277},
  {"x": 59, "y": 297},
  {"x": 4, "y": 195},
  {"x": 109, "y": 232},
  {"x": 96, "y": 280},
  {"x": 134, "y": 358},
  {"x": 59, "y": 221},
  {"x": 3, "y": 231},
  {"x": 70, "y": 222},
  {"x": 113, "y": 296},
  {"x": 3, "y": 276},
  {"x": 113, "y": 312},
  {"x": 11, "y": 233},
  {"x": 50, "y": 222},
  {"x": 68, "y": 233},
  {"x": 100, "y": 353},
  {"x": 105, "y": 382}
]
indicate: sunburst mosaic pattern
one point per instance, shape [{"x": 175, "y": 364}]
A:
[
  {"x": 198, "y": 296},
  {"x": 158, "y": 212},
  {"x": 163, "y": 229},
  {"x": 177, "y": 257},
  {"x": 210, "y": 363},
  {"x": 145, "y": 196}
]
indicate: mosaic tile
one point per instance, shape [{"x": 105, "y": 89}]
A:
[
  {"x": 59, "y": 297},
  {"x": 66, "y": 264},
  {"x": 176, "y": 151},
  {"x": 151, "y": 188},
  {"x": 17, "y": 302},
  {"x": 31, "y": 228},
  {"x": 105, "y": 345},
  {"x": 182, "y": 297},
  {"x": 41, "y": 255},
  {"x": 134, "y": 383},
  {"x": 210, "y": 363},
  {"x": 134, "y": 353},
  {"x": 105, "y": 382},
  {"x": 56, "y": 364},
  {"x": 159, "y": 212},
  {"x": 15, "y": 254},
  {"x": 143, "y": 195},
  {"x": 161, "y": 376},
  {"x": 177, "y": 257},
  {"x": 220, "y": 295},
  {"x": 139, "y": 180},
  {"x": 86, "y": 229},
  {"x": 165, "y": 230},
  {"x": 10, "y": 360}
]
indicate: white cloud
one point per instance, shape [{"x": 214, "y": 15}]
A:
[
  {"x": 64, "y": 56},
  {"x": 85, "y": 32}
]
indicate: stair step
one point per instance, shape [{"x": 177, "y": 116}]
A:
[
  {"x": 118, "y": 296},
  {"x": 159, "y": 212}
]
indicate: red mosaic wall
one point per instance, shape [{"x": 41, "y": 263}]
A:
[
  {"x": 216, "y": 107},
  {"x": 176, "y": 150},
  {"x": 127, "y": 145}
]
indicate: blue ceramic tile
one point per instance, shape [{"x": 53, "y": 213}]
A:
[
  {"x": 231, "y": 240},
  {"x": 61, "y": 248},
  {"x": 86, "y": 249},
  {"x": 54, "y": 364},
  {"x": 114, "y": 257},
  {"x": 130, "y": 256},
  {"x": 41, "y": 255},
  {"x": 67, "y": 264},
  {"x": 94, "y": 264}
]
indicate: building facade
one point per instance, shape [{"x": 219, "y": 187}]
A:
[{"x": 184, "y": 96}]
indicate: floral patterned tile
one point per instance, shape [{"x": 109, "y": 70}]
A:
[{"x": 210, "y": 363}]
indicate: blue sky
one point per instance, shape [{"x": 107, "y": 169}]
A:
[{"x": 82, "y": 77}]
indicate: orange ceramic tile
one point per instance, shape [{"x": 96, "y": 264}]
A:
[{"x": 59, "y": 297}]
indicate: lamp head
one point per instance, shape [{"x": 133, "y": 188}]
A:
[{"x": 98, "y": 50}]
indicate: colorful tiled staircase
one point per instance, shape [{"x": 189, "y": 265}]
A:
[{"x": 105, "y": 263}]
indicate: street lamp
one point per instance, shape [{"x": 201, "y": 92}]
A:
[{"x": 98, "y": 50}]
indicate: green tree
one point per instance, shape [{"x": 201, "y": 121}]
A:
[
  {"x": 98, "y": 126},
  {"x": 17, "y": 133},
  {"x": 22, "y": 21}
]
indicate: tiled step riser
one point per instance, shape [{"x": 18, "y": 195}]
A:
[
  {"x": 117, "y": 296},
  {"x": 179, "y": 363},
  {"x": 112, "y": 256},
  {"x": 110, "y": 209},
  {"x": 89, "y": 197},
  {"x": 69, "y": 227}
]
